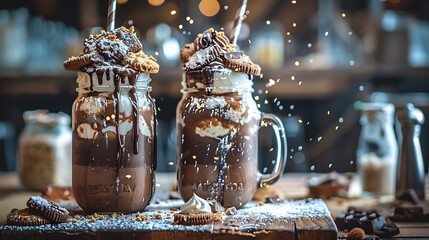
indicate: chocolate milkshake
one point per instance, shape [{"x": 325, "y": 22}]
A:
[
  {"x": 218, "y": 123},
  {"x": 113, "y": 122}
]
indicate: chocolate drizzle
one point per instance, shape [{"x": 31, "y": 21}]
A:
[
  {"x": 204, "y": 76},
  {"x": 120, "y": 74},
  {"x": 218, "y": 192},
  {"x": 134, "y": 103}
]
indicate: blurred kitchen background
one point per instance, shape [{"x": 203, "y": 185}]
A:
[{"x": 319, "y": 58}]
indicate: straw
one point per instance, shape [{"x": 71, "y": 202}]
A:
[
  {"x": 236, "y": 27},
  {"x": 111, "y": 15}
]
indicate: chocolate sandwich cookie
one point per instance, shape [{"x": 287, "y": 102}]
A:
[
  {"x": 240, "y": 63},
  {"x": 194, "y": 218},
  {"x": 203, "y": 57},
  {"x": 47, "y": 209},
  {"x": 141, "y": 62},
  {"x": 129, "y": 37},
  {"x": 221, "y": 40},
  {"x": 76, "y": 63},
  {"x": 23, "y": 217}
]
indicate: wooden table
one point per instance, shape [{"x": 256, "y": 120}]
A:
[{"x": 293, "y": 185}]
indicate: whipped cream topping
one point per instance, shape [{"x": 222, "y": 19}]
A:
[{"x": 196, "y": 205}]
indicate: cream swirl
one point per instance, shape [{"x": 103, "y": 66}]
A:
[{"x": 196, "y": 205}]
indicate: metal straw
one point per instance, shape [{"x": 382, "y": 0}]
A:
[
  {"x": 111, "y": 15},
  {"x": 236, "y": 27}
]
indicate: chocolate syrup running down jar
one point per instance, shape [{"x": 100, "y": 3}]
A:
[
  {"x": 217, "y": 138},
  {"x": 114, "y": 148}
]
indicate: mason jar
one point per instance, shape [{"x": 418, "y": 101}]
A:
[
  {"x": 114, "y": 136},
  {"x": 45, "y": 150},
  {"x": 217, "y": 138}
]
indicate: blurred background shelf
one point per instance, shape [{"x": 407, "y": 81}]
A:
[
  {"x": 327, "y": 54},
  {"x": 311, "y": 83}
]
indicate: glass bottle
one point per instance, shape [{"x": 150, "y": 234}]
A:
[
  {"x": 114, "y": 141},
  {"x": 45, "y": 150},
  {"x": 377, "y": 149}
]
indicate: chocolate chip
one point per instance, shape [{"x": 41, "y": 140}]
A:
[
  {"x": 231, "y": 211},
  {"x": 216, "y": 206}
]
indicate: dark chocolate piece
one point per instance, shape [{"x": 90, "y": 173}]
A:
[
  {"x": 369, "y": 221},
  {"x": 388, "y": 230}
]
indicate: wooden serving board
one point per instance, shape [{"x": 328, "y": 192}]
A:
[{"x": 288, "y": 220}]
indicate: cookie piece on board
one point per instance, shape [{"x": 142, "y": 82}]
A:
[
  {"x": 47, "y": 209},
  {"x": 193, "y": 218},
  {"x": 23, "y": 217}
]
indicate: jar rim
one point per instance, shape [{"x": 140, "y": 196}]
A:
[
  {"x": 92, "y": 82},
  {"x": 216, "y": 80}
]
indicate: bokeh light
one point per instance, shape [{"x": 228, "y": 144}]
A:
[
  {"x": 209, "y": 8},
  {"x": 156, "y": 2}
]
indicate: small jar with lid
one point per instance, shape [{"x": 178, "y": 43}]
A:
[
  {"x": 45, "y": 150},
  {"x": 377, "y": 149}
]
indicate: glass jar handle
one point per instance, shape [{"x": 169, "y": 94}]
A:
[{"x": 279, "y": 132}]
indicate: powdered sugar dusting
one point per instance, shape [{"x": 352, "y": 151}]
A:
[
  {"x": 159, "y": 217},
  {"x": 275, "y": 216},
  {"x": 286, "y": 209}
]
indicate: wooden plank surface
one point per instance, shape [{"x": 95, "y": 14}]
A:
[
  {"x": 317, "y": 228},
  {"x": 269, "y": 221},
  {"x": 279, "y": 221}
]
